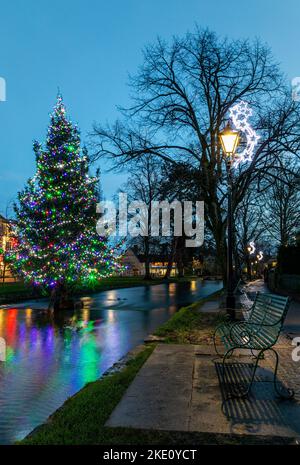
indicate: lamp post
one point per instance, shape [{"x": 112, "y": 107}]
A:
[
  {"x": 251, "y": 249},
  {"x": 248, "y": 262},
  {"x": 229, "y": 140}
]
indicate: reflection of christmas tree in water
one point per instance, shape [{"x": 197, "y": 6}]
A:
[{"x": 56, "y": 216}]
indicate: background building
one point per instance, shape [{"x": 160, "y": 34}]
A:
[
  {"x": 6, "y": 244},
  {"x": 134, "y": 267}
]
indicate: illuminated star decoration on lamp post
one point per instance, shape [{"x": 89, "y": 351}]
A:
[
  {"x": 251, "y": 248},
  {"x": 239, "y": 115},
  {"x": 260, "y": 256}
]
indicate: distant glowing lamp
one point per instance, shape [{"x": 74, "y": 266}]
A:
[
  {"x": 260, "y": 256},
  {"x": 229, "y": 140},
  {"x": 251, "y": 248}
]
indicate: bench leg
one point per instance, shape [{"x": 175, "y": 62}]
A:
[
  {"x": 245, "y": 392},
  {"x": 215, "y": 344},
  {"x": 255, "y": 356},
  {"x": 221, "y": 355},
  {"x": 226, "y": 355},
  {"x": 282, "y": 391}
]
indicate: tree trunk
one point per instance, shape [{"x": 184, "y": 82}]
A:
[
  {"x": 180, "y": 256},
  {"x": 248, "y": 266},
  {"x": 60, "y": 299},
  {"x": 171, "y": 257},
  {"x": 180, "y": 266},
  {"x": 147, "y": 269},
  {"x": 147, "y": 259},
  {"x": 221, "y": 248}
]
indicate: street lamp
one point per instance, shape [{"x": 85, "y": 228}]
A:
[{"x": 229, "y": 140}]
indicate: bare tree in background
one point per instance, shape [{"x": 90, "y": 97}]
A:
[
  {"x": 249, "y": 228},
  {"x": 181, "y": 97},
  {"x": 144, "y": 184},
  {"x": 282, "y": 208}
]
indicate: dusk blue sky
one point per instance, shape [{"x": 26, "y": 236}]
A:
[{"x": 87, "y": 48}]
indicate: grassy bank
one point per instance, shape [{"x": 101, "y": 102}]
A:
[
  {"x": 189, "y": 326},
  {"x": 15, "y": 292}
]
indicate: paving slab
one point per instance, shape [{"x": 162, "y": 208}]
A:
[
  {"x": 181, "y": 388},
  {"x": 160, "y": 395},
  {"x": 212, "y": 306}
]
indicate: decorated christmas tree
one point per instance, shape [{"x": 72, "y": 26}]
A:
[{"x": 58, "y": 245}]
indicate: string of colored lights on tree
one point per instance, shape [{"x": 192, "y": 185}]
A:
[
  {"x": 57, "y": 242},
  {"x": 239, "y": 115}
]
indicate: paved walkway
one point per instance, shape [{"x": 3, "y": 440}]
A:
[
  {"x": 178, "y": 389},
  {"x": 160, "y": 395},
  {"x": 292, "y": 322}
]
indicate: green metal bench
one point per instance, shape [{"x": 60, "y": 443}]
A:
[{"x": 259, "y": 332}]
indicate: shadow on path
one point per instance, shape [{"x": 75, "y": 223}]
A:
[{"x": 261, "y": 407}]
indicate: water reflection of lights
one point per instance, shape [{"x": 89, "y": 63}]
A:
[
  {"x": 89, "y": 360},
  {"x": 111, "y": 295},
  {"x": 86, "y": 301},
  {"x": 111, "y": 316},
  {"x": 11, "y": 325},
  {"x": 172, "y": 288},
  {"x": 28, "y": 314},
  {"x": 193, "y": 285},
  {"x": 2, "y": 350},
  {"x": 35, "y": 338},
  {"x": 1, "y": 319},
  {"x": 86, "y": 315}
]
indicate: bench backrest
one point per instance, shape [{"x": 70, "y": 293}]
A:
[{"x": 269, "y": 309}]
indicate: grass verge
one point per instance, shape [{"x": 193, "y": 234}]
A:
[
  {"x": 189, "y": 326},
  {"x": 15, "y": 292}
]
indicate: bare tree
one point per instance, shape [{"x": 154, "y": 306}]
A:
[
  {"x": 282, "y": 209},
  {"x": 249, "y": 228},
  {"x": 143, "y": 184},
  {"x": 181, "y": 97}
]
